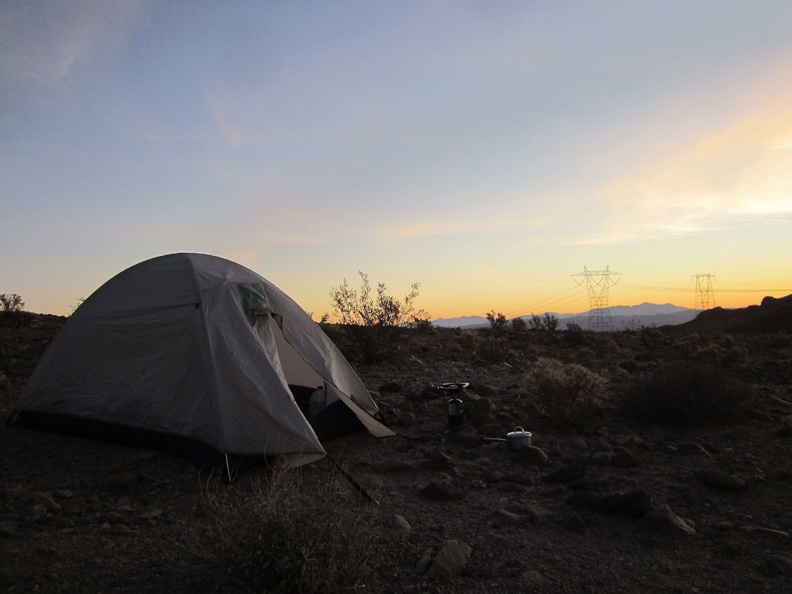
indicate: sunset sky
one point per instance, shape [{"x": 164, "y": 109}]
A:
[{"x": 488, "y": 150}]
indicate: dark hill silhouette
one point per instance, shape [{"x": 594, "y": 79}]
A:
[{"x": 772, "y": 315}]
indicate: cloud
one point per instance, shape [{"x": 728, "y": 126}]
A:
[
  {"x": 46, "y": 44},
  {"x": 736, "y": 175}
]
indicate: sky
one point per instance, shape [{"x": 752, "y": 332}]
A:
[{"x": 490, "y": 151}]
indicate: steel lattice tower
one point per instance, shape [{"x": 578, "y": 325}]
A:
[
  {"x": 705, "y": 295},
  {"x": 598, "y": 283}
]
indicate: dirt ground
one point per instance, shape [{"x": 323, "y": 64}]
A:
[{"x": 609, "y": 507}]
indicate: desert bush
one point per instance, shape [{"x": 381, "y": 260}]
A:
[
  {"x": 373, "y": 324},
  {"x": 565, "y": 392},
  {"x": 519, "y": 325},
  {"x": 11, "y": 302},
  {"x": 550, "y": 322},
  {"x": 290, "y": 535},
  {"x": 689, "y": 393},
  {"x": 574, "y": 334},
  {"x": 497, "y": 321},
  {"x": 779, "y": 340},
  {"x": 492, "y": 350}
]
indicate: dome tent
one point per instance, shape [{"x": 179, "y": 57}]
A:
[{"x": 200, "y": 355}]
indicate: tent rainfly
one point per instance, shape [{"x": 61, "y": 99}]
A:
[{"x": 202, "y": 356}]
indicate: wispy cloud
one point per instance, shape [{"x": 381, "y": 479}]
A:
[
  {"x": 738, "y": 174},
  {"x": 49, "y": 43}
]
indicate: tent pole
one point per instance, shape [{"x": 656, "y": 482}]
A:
[
  {"x": 353, "y": 482},
  {"x": 228, "y": 468}
]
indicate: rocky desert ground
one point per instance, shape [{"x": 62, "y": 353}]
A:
[{"x": 609, "y": 499}]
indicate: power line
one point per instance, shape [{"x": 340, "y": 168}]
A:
[
  {"x": 598, "y": 286},
  {"x": 544, "y": 302},
  {"x": 705, "y": 294}
]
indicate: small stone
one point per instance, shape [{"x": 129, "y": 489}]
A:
[
  {"x": 424, "y": 562},
  {"x": 634, "y": 504},
  {"x": 450, "y": 561},
  {"x": 691, "y": 448},
  {"x": 602, "y": 458},
  {"x": 574, "y": 523},
  {"x": 439, "y": 461},
  {"x": 532, "y": 580},
  {"x": 721, "y": 479},
  {"x": 504, "y": 517},
  {"x": 45, "y": 500},
  {"x": 580, "y": 444},
  {"x": 401, "y": 523},
  {"x": 390, "y": 387},
  {"x": 624, "y": 458},
  {"x": 664, "y": 522},
  {"x": 533, "y": 455},
  {"x": 777, "y": 565},
  {"x": 151, "y": 514},
  {"x": 437, "y": 491}
]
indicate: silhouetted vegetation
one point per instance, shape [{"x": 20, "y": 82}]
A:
[
  {"x": 688, "y": 393},
  {"x": 372, "y": 322}
]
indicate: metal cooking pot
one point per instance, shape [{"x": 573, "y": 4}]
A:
[{"x": 519, "y": 438}]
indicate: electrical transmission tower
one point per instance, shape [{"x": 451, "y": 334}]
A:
[
  {"x": 598, "y": 283},
  {"x": 705, "y": 295}
]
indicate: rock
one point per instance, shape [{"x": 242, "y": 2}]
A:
[
  {"x": 565, "y": 474},
  {"x": 450, "y": 561},
  {"x": 634, "y": 504},
  {"x": 575, "y": 523},
  {"x": 580, "y": 444},
  {"x": 437, "y": 491},
  {"x": 439, "y": 461},
  {"x": 45, "y": 500},
  {"x": 35, "y": 511},
  {"x": 390, "y": 387},
  {"x": 532, "y": 580},
  {"x": 533, "y": 455},
  {"x": 401, "y": 523},
  {"x": 663, "y": 522},
  {"x": 777, "y": 565},
  {"x": 721, "y": 479},
  {"x": 602, "y": 458},
  {"x": 424, "y": 562},
  {"x": 691, "y": 448},
  {"x": 121, "y": 530},
  {"x": 624, "y": 458},
  {"x": 504, "y": 517},
  {"x": 151, "y": 514}
]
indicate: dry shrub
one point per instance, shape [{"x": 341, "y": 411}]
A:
[
  {"x": 294, "y": 534},
  {"x": 492, "y": 351},
  {"x": 566, "y": 392},
  {"x": 685, "y": 393}
]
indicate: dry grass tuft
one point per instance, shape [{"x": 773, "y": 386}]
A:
[
  {"x": 296, "y": 533},
  {"x": 567, "y": 393}
]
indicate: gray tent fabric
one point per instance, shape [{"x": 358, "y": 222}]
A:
[{"x": 202, "y": 348}]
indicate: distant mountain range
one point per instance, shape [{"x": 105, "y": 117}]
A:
[{"x": 623, "y": 317}]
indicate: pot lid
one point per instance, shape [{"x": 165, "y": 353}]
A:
[{"x": 518, "y": 432}]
